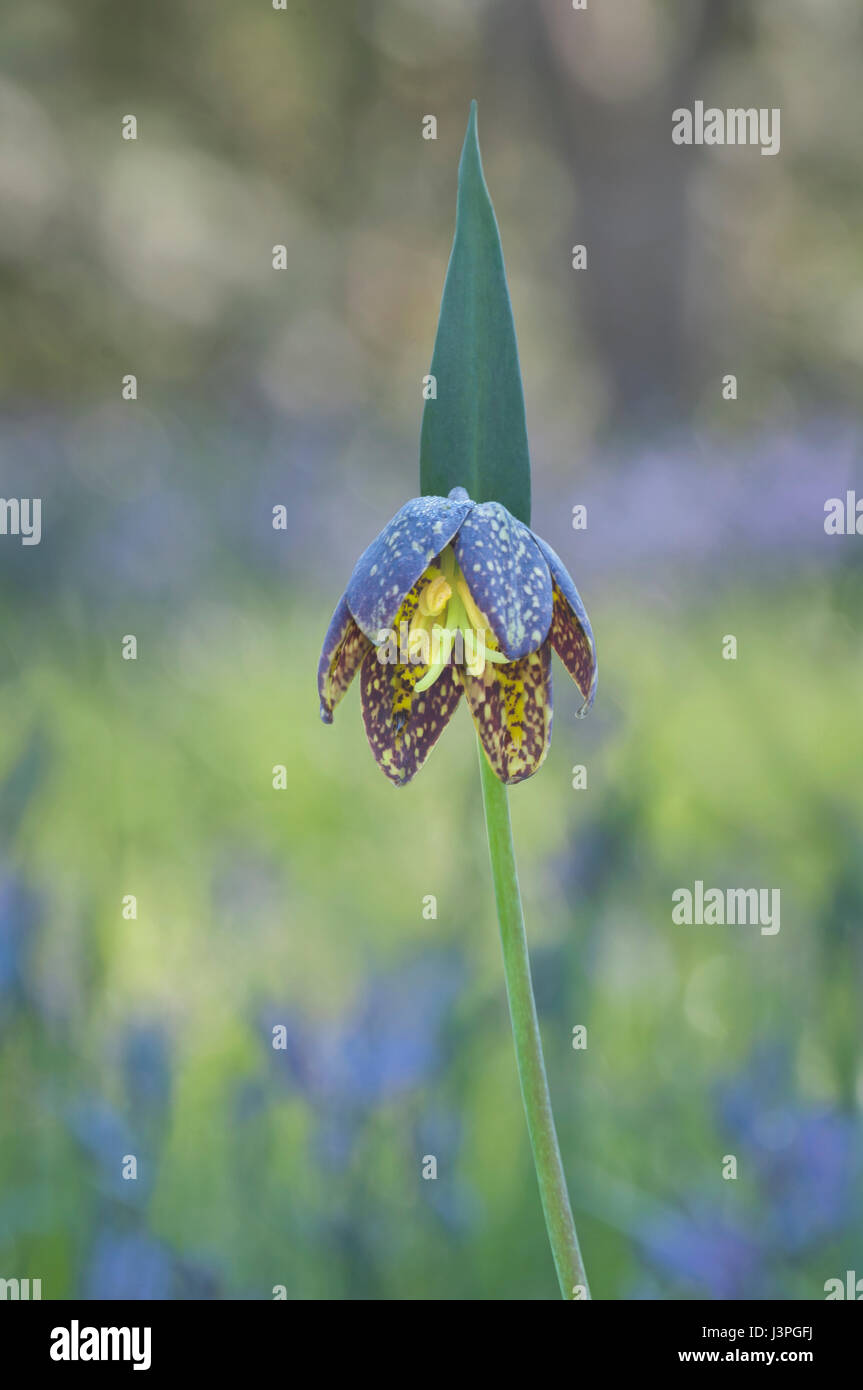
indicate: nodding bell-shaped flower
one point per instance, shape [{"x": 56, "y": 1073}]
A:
[{"x": 453, "y": 596}]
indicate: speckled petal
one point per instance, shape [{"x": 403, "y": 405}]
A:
[
  {"x": 571, "y": 634},
  {"x": 507, "y": 576},
  {"x": 402, "y": 727},
  {"x": 341, "y": 658},
  {"x": 512, "y": 708},
  {"x": 394, "y": 562}
]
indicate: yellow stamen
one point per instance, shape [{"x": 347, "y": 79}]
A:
[
  {"x": 478, "y": 619},
  {"x": 418, "y": 644},
  {"x": 435, "y": 597},
  {"x": 442, "y": 639},
  {"x": 446, "y": 596},
  {"x": 418, "y": 636}
]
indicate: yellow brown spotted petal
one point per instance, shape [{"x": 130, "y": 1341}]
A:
[
  {"x": 512, "y": 708},
  {"x": 573, "y": 645},
  {"x": 570, "y": 633},
  {"x": 410, "y": 603},
  {"x": 342, "y": 655},
  {"x": 403, "y": 725}
]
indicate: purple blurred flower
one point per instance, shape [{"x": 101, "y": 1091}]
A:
[
  {"x": 18, "y": 920},
  {"x": 388, "y": 1045},
  {"x": 128, "y": 1266},
  {"x": 700, "y": 1250},
  {"x": 107, "y": 1139},
  {"x": 806, "y": 1157},
  {"x": 131, "y": 1265},
  {"x": 146, "y": 1057},
  {"x": 806, "y": 1160}
]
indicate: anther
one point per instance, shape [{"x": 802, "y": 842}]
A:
[{"x": 435, "y": 597}]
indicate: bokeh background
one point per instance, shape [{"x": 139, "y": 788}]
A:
[{"x": 303, "y": 907}]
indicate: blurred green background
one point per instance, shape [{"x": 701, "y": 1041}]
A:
[{"x": 255, "y": 907}]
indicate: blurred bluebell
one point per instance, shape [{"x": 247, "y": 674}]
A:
[
  {"x": 106, "y": 1138},
  {"x": 806, "y": 1162},
  {"x": 811, "y": 1177},
  {"x": 129, "y": 1265},
  {"x": 19, "y": 918},
  {"x": 146, "y": 1061},
  {"x": 807, "y": 1156},
  {"x": 388, "y": 1044},
  {"x": 19, "y": 905},
  {"x": 699, "y": 1250},
  {"x": 132, "y": 1265}
]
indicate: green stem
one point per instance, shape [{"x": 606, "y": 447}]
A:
[{"x": 528, "y": 1043}]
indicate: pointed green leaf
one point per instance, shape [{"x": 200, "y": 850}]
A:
[{"x": 473, "y": 433}]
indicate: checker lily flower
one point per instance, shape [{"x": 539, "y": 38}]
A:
[{"x": 457, "y": 596}]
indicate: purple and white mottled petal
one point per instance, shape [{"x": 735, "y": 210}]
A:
[
  {"x": 571, "y": 634},
  {"x": 507, "y": 576},
  {"x": 342, "y": 655},
  {"x": 393, "y": 563}
]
